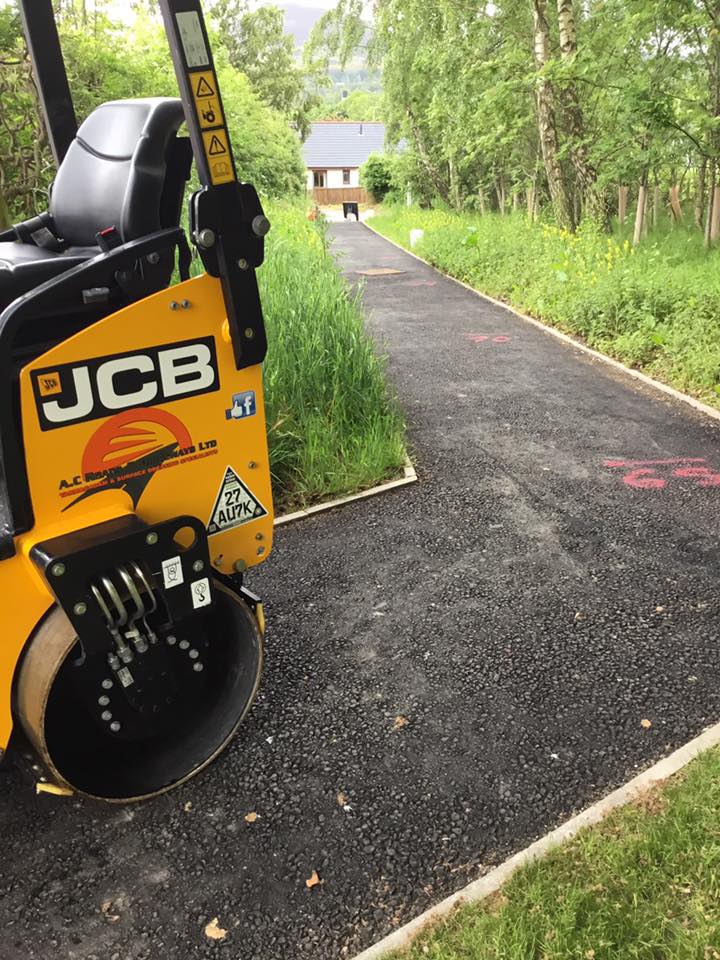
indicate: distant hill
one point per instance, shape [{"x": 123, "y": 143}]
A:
[{"x": 299, "y": 20}]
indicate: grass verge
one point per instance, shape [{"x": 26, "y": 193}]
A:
[
  {"x": 654, "y": 307},
  {"x": 333, "y": 426},
  {"x": 642, "y": 885}
]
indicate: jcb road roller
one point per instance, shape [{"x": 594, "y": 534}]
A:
[{"x": 134, "y": 474}]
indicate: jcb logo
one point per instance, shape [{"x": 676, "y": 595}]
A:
[{"x": 76, "y": 392}]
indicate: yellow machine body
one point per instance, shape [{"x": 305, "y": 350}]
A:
[{"x": 78, "y": 472}]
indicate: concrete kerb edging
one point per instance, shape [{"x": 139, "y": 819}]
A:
[
  {"x": 489, "y": 884},
  {"x": 578, "y": 344},
  {"x": 409, "y": 476}
]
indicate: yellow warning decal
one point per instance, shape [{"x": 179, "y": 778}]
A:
[
  {"x": 207, "y": 103},
  {"x": 217, "y": 152}
]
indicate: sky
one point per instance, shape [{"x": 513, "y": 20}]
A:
[
  {"x": 119, "y": 10},
  {"x": 119, "y": 7}
]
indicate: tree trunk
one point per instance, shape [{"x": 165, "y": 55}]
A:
[
  {"x": 481, "y": 201},
  {"x": 500, "y": 194},
  {"x": 640, "y": 211},
  {"x": 715, "y": 219},
  {"x": 516, "y": 201},
  {"x": 530, "y": 201},
  {"x": 656, "y": 206},
  {"x": 454, "y": 186},
  {"x": 545, "y": 98},
  {"x": 622, "y": 205},
  {"x": 585, "y": 173},
  {"x": 5, "y": 222},
  {"x": 713, "y": 60},
  {"x": 700, "y": 194},
  {"x": 675, "y": 207},
  {"x": 710, "y": 204}
]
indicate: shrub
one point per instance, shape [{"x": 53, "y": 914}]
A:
[{"x": 376, "y": 175}]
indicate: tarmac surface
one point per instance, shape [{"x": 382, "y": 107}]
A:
[{"x": 452, "y": 668}]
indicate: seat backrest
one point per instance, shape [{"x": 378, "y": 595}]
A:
[{"x": 117, "y": 171}]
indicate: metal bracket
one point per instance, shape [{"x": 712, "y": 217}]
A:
[{"x": 120, "y": 581}]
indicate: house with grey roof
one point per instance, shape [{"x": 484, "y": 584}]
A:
[{"x": 334, "y": 153}]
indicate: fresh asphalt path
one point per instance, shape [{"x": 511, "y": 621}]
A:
[{"x": 523, "y": 609}]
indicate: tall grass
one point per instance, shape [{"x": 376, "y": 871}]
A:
[
  {"x": 655, "y": 307},
  {"x": 333, "y": 425}
]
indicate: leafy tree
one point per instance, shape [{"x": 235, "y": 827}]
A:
[
  {"x": 267, "y": 152},
  {"x": 107, "y": 61},
  {"x": 547, "y": 118},
  {"x": 338, "y": 34},
  {"x": 376, "y": 175},
  {"x": 25, "y": 161},
  {"x": 358, "y": 105},
  {"x": 258, "y": 46},
  {"x": 535, "y": 100}
]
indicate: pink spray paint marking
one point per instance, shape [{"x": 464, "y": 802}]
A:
[
  {"x": 482, "y": 337},
  {"x": 704, "y": 475},
  {"x": 648, "y": 474}
]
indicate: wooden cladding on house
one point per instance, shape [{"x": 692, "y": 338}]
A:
[{"x": 328, "y": 195}]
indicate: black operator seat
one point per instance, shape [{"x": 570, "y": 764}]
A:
[{"x": 125, "y": 169}]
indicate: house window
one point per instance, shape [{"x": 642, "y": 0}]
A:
[
  {"x": 346, "y": 178},
  {"x": 319, "y": 178}
]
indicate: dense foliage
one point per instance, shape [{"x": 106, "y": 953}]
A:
[
  {"x": 258, "y": 46},
  {"x": 109, "y": 61},
  {"x": 654, "y": 306},
  {"x": 376, "y": 175},
  {"x": 587, "y": 107},
  {"x": 357, "y": 105}
]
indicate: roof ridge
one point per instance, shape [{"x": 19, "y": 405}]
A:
[{"x": 343, "y": 143}]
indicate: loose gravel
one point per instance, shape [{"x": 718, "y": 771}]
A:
[{"x": 452, "y": 669}]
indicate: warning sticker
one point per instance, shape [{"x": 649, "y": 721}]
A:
[
  {"x": 125, "y": 677},
  {"x": 204, "y": 88},
  {"x": 172, "y": 572},
  {"x": 217, "y": 151},
  {"x": 235, "y": 504},
  {"x": 216, "y": 148},
  {"x": 201, "y": 596}
]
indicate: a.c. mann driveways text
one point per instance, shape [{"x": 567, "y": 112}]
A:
[{"x": 452, "y": 668}]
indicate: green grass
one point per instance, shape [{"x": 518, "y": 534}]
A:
[
  {"x": 333, "y": 425},
  {"x": 643, "y": 885},
  {"x": 655, "y": 308}
]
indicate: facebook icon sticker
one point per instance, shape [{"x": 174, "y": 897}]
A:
[{"x": 243, "y": 405}]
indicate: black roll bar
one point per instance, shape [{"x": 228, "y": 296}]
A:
[{"x": 50, "y": 75}]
